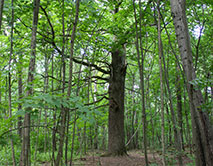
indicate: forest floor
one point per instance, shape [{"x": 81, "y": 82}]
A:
[{"x": 134, "y": 158}]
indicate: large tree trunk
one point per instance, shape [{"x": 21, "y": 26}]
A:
[
  {"x": 116, "y": 134},
  {"x": 201, "y": 127},
  {"x": 116, "y": 144}
]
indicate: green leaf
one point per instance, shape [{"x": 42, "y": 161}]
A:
[{"x": 21, "y": 112}]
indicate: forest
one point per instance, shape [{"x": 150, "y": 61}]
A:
[{"x": 106, "y": 82}]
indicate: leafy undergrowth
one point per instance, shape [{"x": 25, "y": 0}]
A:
[{"x": 134, "y": 158}]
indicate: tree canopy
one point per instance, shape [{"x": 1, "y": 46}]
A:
[{"x": 78, "y": 76}]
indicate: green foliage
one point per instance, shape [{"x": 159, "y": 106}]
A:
[
  {"x": 43, "y": 157},
  {"x": 6, "y": 155},
  {"x": 42, "y": 101},
  {"x": 201, "y": 83},
  {"x": 99, "y": 31}
]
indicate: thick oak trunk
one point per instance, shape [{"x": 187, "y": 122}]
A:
[{"x": 116, "y": 141}]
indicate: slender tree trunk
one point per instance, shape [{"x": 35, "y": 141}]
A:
[
  {"x": 177, "y": 136},
  {"x": 20, "y": 89},
  {"x": 179, "y": 104},
  {"x": 46, "y": 83},
  {"x": 9, "y": 80},
  {"x": 25, "y": 152},
  {"x": 71, "y": 72},
  {"x": 1, "y": 11},
  {"x": 137, "y": 134},
  {"x": 139, "y": 49},
  {"x": 188, "y": 136},
  {"x": 201, "y": 126},
  {"x": 37, "y": 136},
  {"x": 91, "y": 137},
  {"x": 55, "y": 127},
  {"x": 103, "y": 146},
  {"x": 153, "y": 135},
  {"x": 127, "y": 125},
  {"x": 133, "y": 114},
  {"x": 64, "y": 110},
  {"x": 160, "y": 50},
  {"x": 63, "y": 86},
  {"x": 141, "y": 68}
]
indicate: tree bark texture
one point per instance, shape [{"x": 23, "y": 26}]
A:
[
  {"x": 116, "y": 144},
  {"x": 116, "y": 133},
  {"x": 201, "y": 126}
]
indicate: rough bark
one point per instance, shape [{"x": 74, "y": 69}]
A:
[
  {"x": 25, "y": 152},
  {"x": 116, "y": 144},
  {"x": 201, "y": 127},
  {"x": 116, "y": 134}
]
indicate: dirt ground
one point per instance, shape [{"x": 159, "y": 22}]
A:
[{"x": 134, "y": 158}]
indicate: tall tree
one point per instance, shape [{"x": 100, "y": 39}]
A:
[
  {"x": 9, "y": 78},
  {"x": 201, "y": 126},
  {"x": 160, "y": 52},
  {"x": 116, "y": 136},
  {"x": 141, "y": 58},
  {"x": 71, "y": 73},
  {"x": 25, "y": 151},
  {"x": 64, "y": 110}
]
